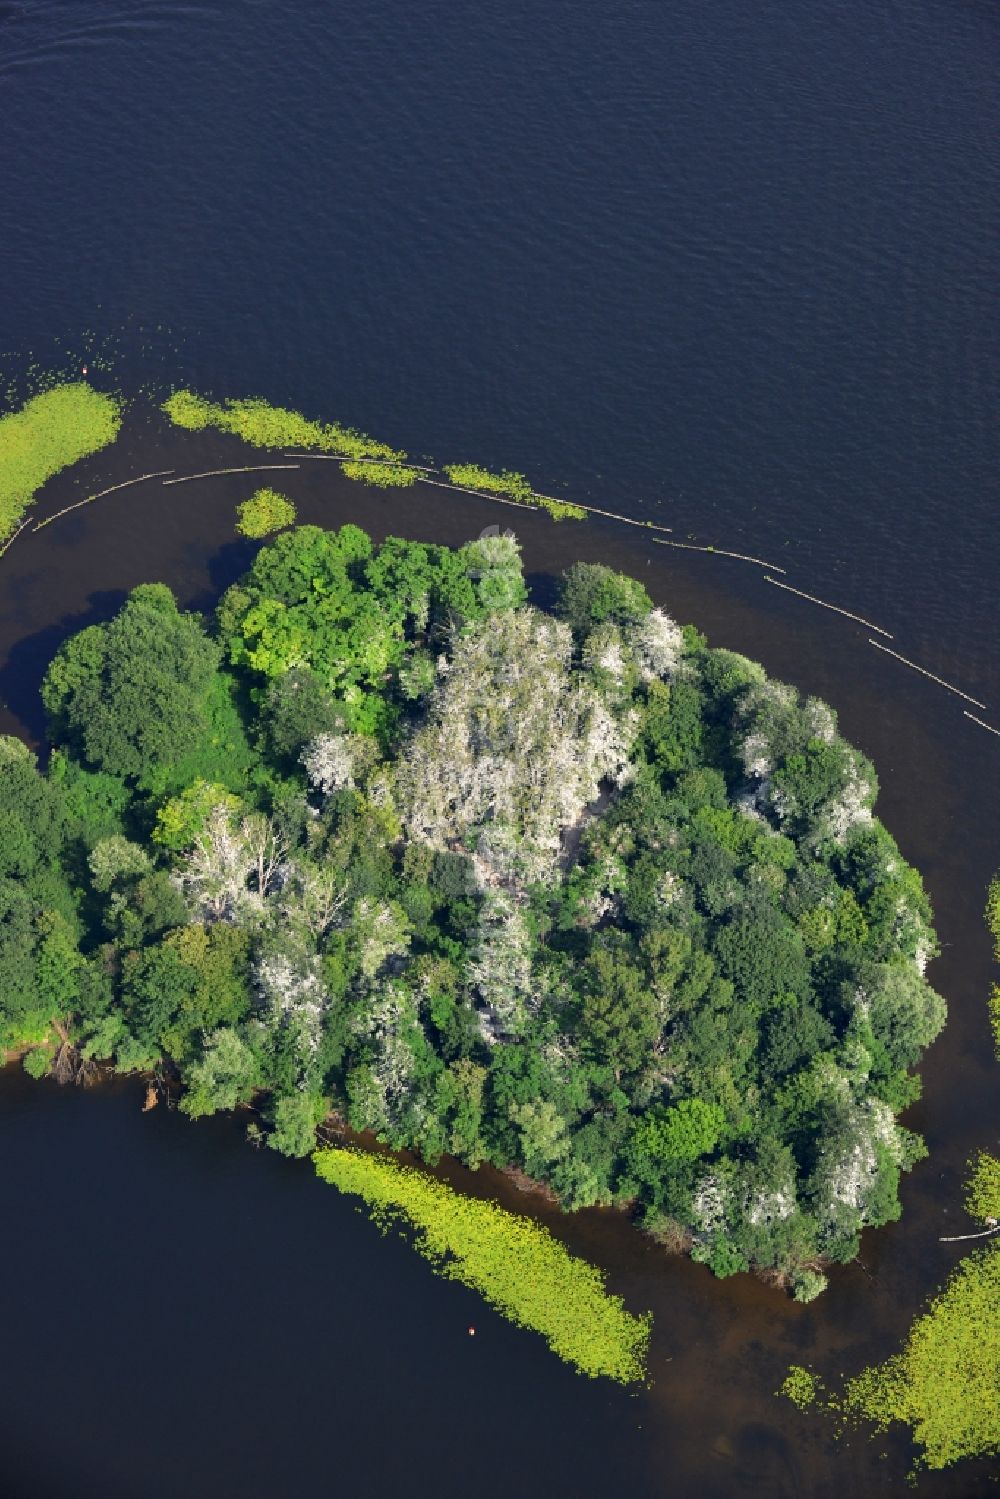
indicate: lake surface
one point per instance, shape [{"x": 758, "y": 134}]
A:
[{"x": 731, "y": 271}]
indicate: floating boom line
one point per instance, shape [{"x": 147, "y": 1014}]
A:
[
  {"x": 835, "y": 607},
  {"x": 924, "y": 673},
  {"x": 689, "y": 546},
  {"x": 982, "y": 725},
  {"x": 645, "y": 525},
  {"x": 420, "y": 468},
  {"x": 481, "y": 494},
  {"x": 212, "y": 473},
  {"x": 100, "y": 494},
  {"x": 11, "y": 539},
  {"x": 424, "y": 468}
]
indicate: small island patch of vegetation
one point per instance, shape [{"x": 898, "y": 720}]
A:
[
  {"x": 572, "y": 893},
  {"x": 264, "y": 513},
  {"x": 49, "y": 433},
  {"x": 516, "y": 1265}
]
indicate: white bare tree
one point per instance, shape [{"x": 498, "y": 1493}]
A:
[
  {"x": 515, "y": 745},
  {"x": 232, "y": 865}
]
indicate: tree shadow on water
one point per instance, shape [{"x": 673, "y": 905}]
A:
[
  {"x": 22, "y": 672},
  {"x": 227, "y": 564},
  {"x": 543, "y": 589}
]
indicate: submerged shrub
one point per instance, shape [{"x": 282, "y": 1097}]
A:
[{"x": 37, "y": 1061}]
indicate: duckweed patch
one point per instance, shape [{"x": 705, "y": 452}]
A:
[
  {"x": 265, "y": 426},
  {"x": 510, "y": 486},
  {"x": 516, "y": 1265},
  {"x": 945, "y": 1384},
  {"x": 379, "y": 475},
  {"x": 50, "y": 432},
  {"x": 800, "y": 1387}
]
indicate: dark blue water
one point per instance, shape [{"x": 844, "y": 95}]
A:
[
  {"x": 730, "y": 267},
  {"x": 735, "y": 264}
]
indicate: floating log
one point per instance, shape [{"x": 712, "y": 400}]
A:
[
  {"x": 960, "y": 1238},
  {"x": 835, "y": 607},
  {"x": 924, "y": 673}
]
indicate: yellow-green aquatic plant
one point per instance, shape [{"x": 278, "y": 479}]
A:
[
  {"x": 471, "y": 476},
  {"x": 265, "y": 512},
  {"x": 510, "y": 486},
  {"x": 516, "y": 1265},
  {"x": 266, "y": 426},
  {"x": 945, "y": 1384},
  {"x": 380, "y": 475},
  {"x": 563, "y": 509},
  {"x": 800, "y": 1386},
  {"x": 50, "y": 432},
  {"x": 982, "y": 1191}
]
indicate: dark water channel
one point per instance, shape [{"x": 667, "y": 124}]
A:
[{"x": 731, "y": 268}]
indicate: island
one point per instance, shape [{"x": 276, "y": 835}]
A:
[{"x": 385, "y": 845}]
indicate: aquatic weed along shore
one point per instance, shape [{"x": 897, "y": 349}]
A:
[{"x": 516, "y": 1265}]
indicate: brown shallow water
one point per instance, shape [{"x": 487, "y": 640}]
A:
[{"x": 215, "y": 1321}]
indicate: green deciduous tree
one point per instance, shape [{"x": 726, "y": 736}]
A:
[{"x": 132, "y": 695}]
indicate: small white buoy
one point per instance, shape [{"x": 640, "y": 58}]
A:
[
  {"x": 472, "y": 1332},
  {"x": 84, "y": 369}
]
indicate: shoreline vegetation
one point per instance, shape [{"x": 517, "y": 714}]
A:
[
  {"x": 48, "y": 434},
  {"x": 515, "y": 1264}
]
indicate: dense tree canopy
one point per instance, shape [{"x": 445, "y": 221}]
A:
[{"x": 574, "y": 894}]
